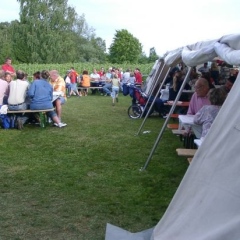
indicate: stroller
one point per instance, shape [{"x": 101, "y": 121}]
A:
[{"x": 139, "y": 101}]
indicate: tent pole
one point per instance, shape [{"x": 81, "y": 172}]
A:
[
  {"x": 155, "y": 82},
  {"x": 166, "y": 121},
  {"x": 144, "y": 120}
]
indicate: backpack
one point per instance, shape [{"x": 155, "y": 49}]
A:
[{"x": 5, "y": 121}]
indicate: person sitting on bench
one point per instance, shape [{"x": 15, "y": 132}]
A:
[
  {"x": 17, "y": 97},
  {"x": 41, "y": 95}
]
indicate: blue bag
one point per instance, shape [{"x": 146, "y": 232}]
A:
[
  {"x": 125, "y": 88},
  {"x": 5, "y": 121}
]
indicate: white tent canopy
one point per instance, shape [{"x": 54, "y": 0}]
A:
[{"x": 206, "y": 204}]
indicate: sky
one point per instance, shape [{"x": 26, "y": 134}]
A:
[{"x": 164, "y": 26}]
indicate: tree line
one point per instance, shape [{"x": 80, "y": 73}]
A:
[{"x": 50, "y": 31}]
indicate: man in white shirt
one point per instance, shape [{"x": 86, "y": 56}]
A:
[
  {"x": 95, "y": 78},
  {"x": 18, "y": 92},
  {"x": 17, "y": 97}
]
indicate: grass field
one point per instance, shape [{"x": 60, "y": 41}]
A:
[{"x": 69, "y": 183}]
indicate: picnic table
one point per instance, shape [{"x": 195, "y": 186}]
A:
[{"x": 186, "y": 122}]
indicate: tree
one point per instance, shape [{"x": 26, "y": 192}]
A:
[
  {"x": 49, "y": 31},
  {"x": 5, "y": 41},
  {"x": 125, "y": 48},
  {"x": 152, "y": 55}
]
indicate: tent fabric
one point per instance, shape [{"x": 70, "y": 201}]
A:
[
  {"x": 113, "y": 232},
  {"x": 174, "y": 57},
  {"x": 230, "y": 55},
  {"x": 196, "y": 54},
  {"x": 206, "y": 204}
]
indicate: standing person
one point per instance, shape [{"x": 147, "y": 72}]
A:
[
  {"x": 7, "y": 67},
  {"x": 115, "y": 88},
  {"x": 138, "y": 77},
  {"x": 68, "y": 82},
  {"x": 204, "y": 68},
  {"x": 214, "y": 73},
  {"x": 3, "y": 88},
  {"x": 18, "y": 96},
  {"x": 74, "y": 80},
  {"x": 58, "y": 85},
  {"x": 41, "y": 96}
]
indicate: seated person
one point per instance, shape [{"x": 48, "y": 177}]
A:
[
  {"x": 176, "y": 85},
  {"x": 229, "y": 83},
  {"x": 199, "y": 98},
  {"x": 17, "y": 97},
  {"x": 8, "y": 77},
  {"x": 58, "y": 85},
  {"x": 41, "y": 95},
  {"x": 107, "y": 88},
  {"x": 207, "y": 76},
  {"x": 85, "y": 82},
  {"x": 173, "y": 92},
  {"x": 3, "y": 88},
  {"x": 95, "y": 78},
  {"x": 206, "y": 115}
]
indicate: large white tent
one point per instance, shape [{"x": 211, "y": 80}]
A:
[{"x": 206, "y": 205}]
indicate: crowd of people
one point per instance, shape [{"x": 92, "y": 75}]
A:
[
  {"x": 20, "y": 94},
  {"x": 49, "y": 90},
  {"x": 208, "y": 95}
]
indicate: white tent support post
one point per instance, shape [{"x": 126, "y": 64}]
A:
[
  {"x": 167, "y": 119},
  {"x": 155, "y": 97},
  {"x": 156, "y": 78},
  {"x": 147, "y": 87}
]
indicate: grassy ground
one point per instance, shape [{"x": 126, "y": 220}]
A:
[{"x": 69, "y": 183}]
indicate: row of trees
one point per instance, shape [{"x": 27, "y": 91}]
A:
[{"x": 49, "y": 31}]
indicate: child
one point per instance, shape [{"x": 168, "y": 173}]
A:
[{"x": 115, "y": 88}]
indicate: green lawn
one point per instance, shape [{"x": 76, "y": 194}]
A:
[{"x": 69, "y": 183}]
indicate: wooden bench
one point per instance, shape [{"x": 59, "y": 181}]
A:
[
  {"x": 92, "y": 88},
  {"x": 80, "y": 88},
  {"x": 179, "y": 132},
  {"x": 173, "y": 125},
  {"x": 186, "y": 152},
  {"x": 174, "y": 115},
  {"x": 42, "y": 114}
]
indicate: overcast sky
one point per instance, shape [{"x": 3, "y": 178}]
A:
[{"x": 165, "y": 26}]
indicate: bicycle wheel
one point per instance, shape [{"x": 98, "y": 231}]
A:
[{"x": 134, "y": 111}]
